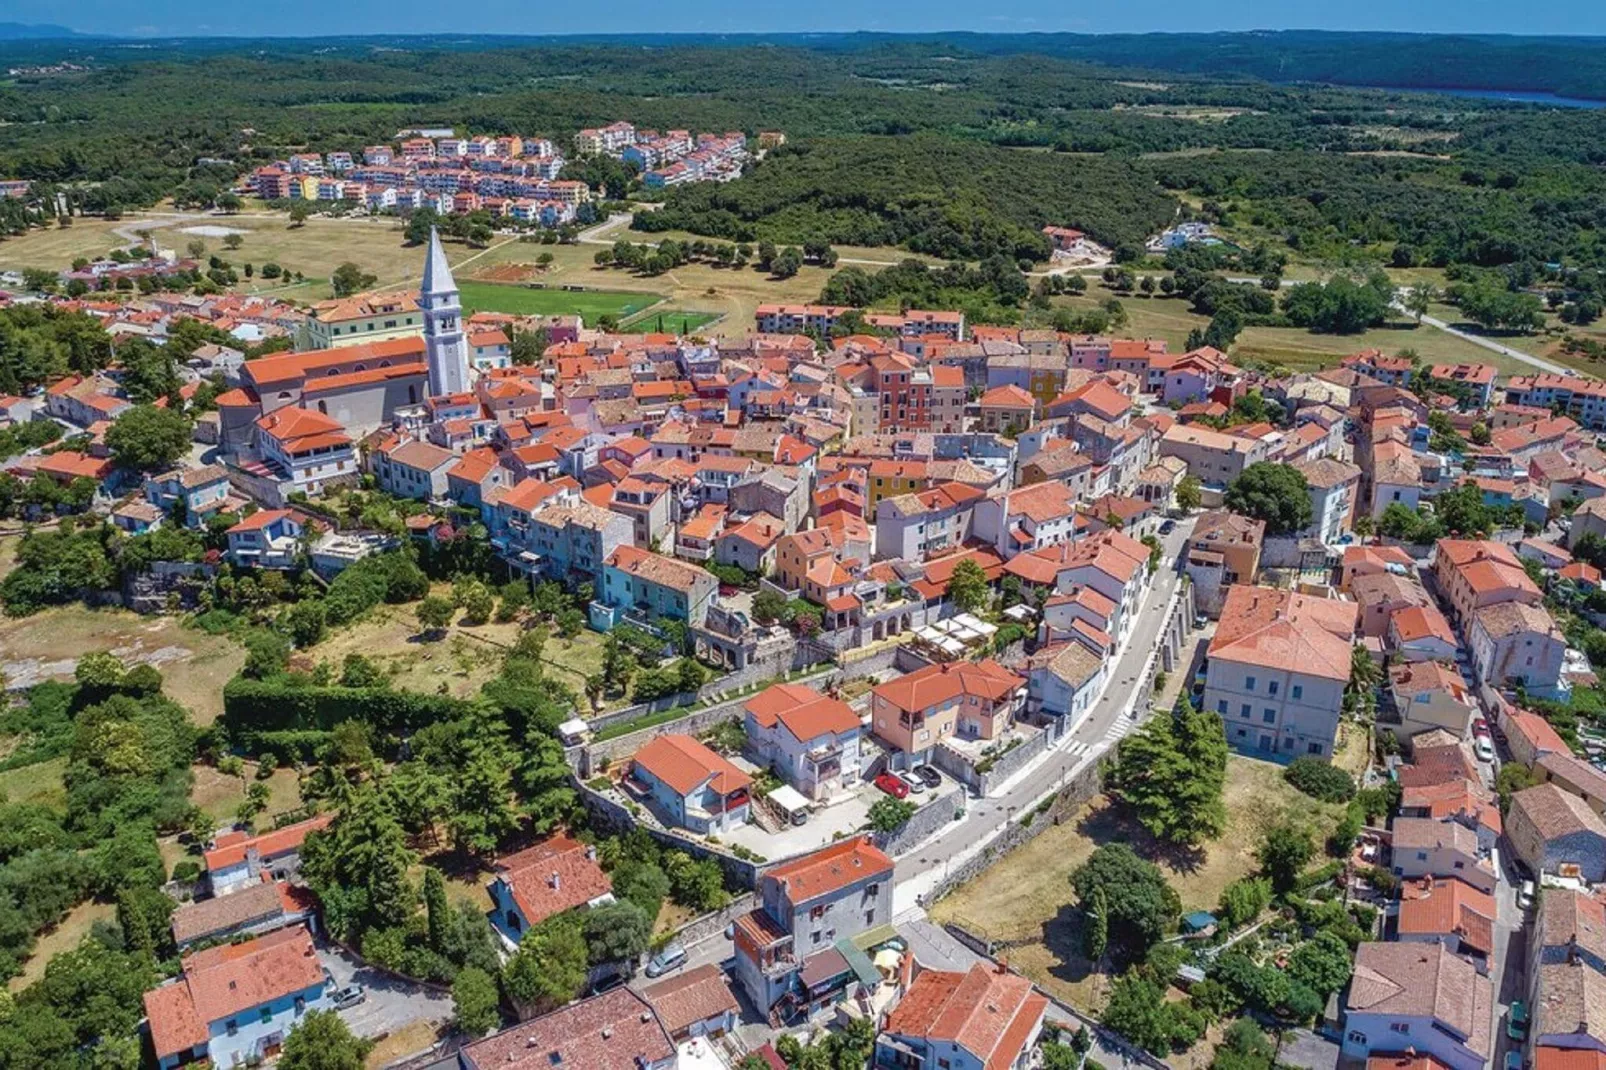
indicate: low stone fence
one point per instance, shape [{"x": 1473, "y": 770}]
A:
[
  {"x": 715, "y": 921},
  {"x": 1083, "y": 786},
  {"x": 928, "y": 819},
  {"x": 613, "y": 816}
]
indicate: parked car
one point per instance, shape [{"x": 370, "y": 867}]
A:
[
  {"x": 1167, "y": 527},
  {"x": 1517, "y": 1021},
  {"x": 672, "y": 957},
  {"x": 1480, "y": 727},
  {"x": 893, "y": 785},
  {"x": 1483, "y": 747},
  {"x": 349, "y": 996},
  {"x": 916, "y": 785},
  {"x": 1525, "y": 898},
  {"x": 607, "y": 983},
  {"x": 929, "y": 775},
  {"x": 1513, "y": 1060}
]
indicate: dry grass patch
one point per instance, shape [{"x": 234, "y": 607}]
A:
[
  {"x": 194, "y": 665},
  {"x": 1025, "y": 899},
  {"x": 64, "y": 937},
  {"x": 461, "y": 661},
  {"x": 407, "y": 1040},
  {"x": 220, "y": 795}
]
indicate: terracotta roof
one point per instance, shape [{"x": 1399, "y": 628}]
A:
[
  {"x": 1008, "y": 396},
  {"x": 683, "y": 764},
  {"x": 424, "y": 456},
  {"x": 1443, "y": 907},
  {"x": 259, "y": 519},
  {"x": 1400, "y": 1061},
  {"x": 225, "y": 980},
  {"x": 553, "y": 876},
  {"x": 944, "y": 682},
  {"x": 804, "y": 712},
  {"x": 1421, "y": 622},
  {"x": 266, "y": 846},
  {"x": 830, "y": 869},
  {"x": 1549, "y": 1058},
  {"x": 989, "y": 1012},
  {"x": 286, "y": 367},
  {"x": 1541, "y": 737},
  {"x": 614, "y": 1031},
  {"x": 1278, "y": 629},
  {"x": 1423, "y": 980},
  {"x": 664, "y": 571},
  {"x": 475, "y": 465},
  {"x": 695, "y": 996}
]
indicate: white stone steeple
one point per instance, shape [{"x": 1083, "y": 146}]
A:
[{"x": 446, "y": 347}]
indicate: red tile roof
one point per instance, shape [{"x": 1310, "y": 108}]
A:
[
  {"x": 923, "y": 688},
  {"x": 806, "y": 713},
  {"x": 988, "y": 1012},
  {"x": 683, "y": 763},
  {"x": 268, "y": 845},
  {"x": 614, "y": 1031},
  {"x": 225, "y": 980},
  {"x": 829, "y": 869},
  {"x": 551, "y": 877},
  {"x": 695, "y": 996}
]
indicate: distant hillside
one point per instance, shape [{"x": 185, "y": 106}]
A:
[{"x": 22, "y": 31}]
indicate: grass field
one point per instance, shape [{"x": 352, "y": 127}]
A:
[
  {"x": 1025, "y": 899},
  {"x": 194, "y": 665},
  {"x": 37, "y": 783},
  {"x": 674, "y": 320},
  {"x": 1295, "y": 349},
  {"x": 526, "y": 301}
]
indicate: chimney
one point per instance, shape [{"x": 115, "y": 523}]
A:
[
  {"x": 1572, "y": 950},
  {"x": 607, "y": 1032},
  {"x": 591, "y": 852},
  {"x": 555, "y": 882}
]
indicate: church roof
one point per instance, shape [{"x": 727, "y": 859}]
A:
[{"x": 437, "y": 273}]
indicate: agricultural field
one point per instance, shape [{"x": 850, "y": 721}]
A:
[
  {"x": 194, "y": 665},
  {"x": 1025, "y": 898}
]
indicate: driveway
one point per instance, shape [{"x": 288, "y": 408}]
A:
[{"x": 391, "y": 1003}]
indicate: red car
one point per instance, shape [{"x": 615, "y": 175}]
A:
[
  {"x": 1480, "y": 727},
  {"x": 892, "y": 785}
]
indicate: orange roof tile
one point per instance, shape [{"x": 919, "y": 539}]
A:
[{"x": 683, "y": 763}]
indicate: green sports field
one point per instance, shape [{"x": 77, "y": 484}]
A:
[{"x": 524, "y": 301}]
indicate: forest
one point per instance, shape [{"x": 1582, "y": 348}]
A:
[{"x": 960, "y": 146}]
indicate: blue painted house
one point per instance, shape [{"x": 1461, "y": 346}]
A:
[{"x": 234, "y": 1004}]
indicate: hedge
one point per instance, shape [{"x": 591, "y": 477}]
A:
[
  {"x": 288, "y": 745},
  {"x": 278, "y": 704}
]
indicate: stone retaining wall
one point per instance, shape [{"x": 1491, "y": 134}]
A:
[
  {"x": 927, "y": 820},
  {"x": 715, "y": 921},
  {"x": 1083, "y": 786}
]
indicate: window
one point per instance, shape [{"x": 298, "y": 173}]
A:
[
  {"x": 1245, "y": 712},
  {"x": 1271, "y": 687},
  {"x": 817, "y": 913},
  {"x": 1421, "y": 856},
  {"x": 1315, "y": 748},
  {"x": 232, "y": 1026},
  {"x": 1399, "y": 1027},
  {"x": 267, "y": 1013},
  {"x": 1296, "y": 692},
  {"x": 1249, "y": 683},
  {"x": 1268, "y": 716},
  {"x": 1221, "y": 706}
]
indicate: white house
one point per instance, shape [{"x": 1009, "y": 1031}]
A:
[
  {"x": 811, "y": 740},
  {"x": 1418, "y": 997}
]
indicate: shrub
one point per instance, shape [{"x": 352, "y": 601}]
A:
[{"x": 1320, "y": 780}]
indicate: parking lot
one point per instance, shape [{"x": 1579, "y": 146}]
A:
[{"x": 389, "y": 1004}]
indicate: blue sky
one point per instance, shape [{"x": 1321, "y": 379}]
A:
[{"x": 314, "y": 17}]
